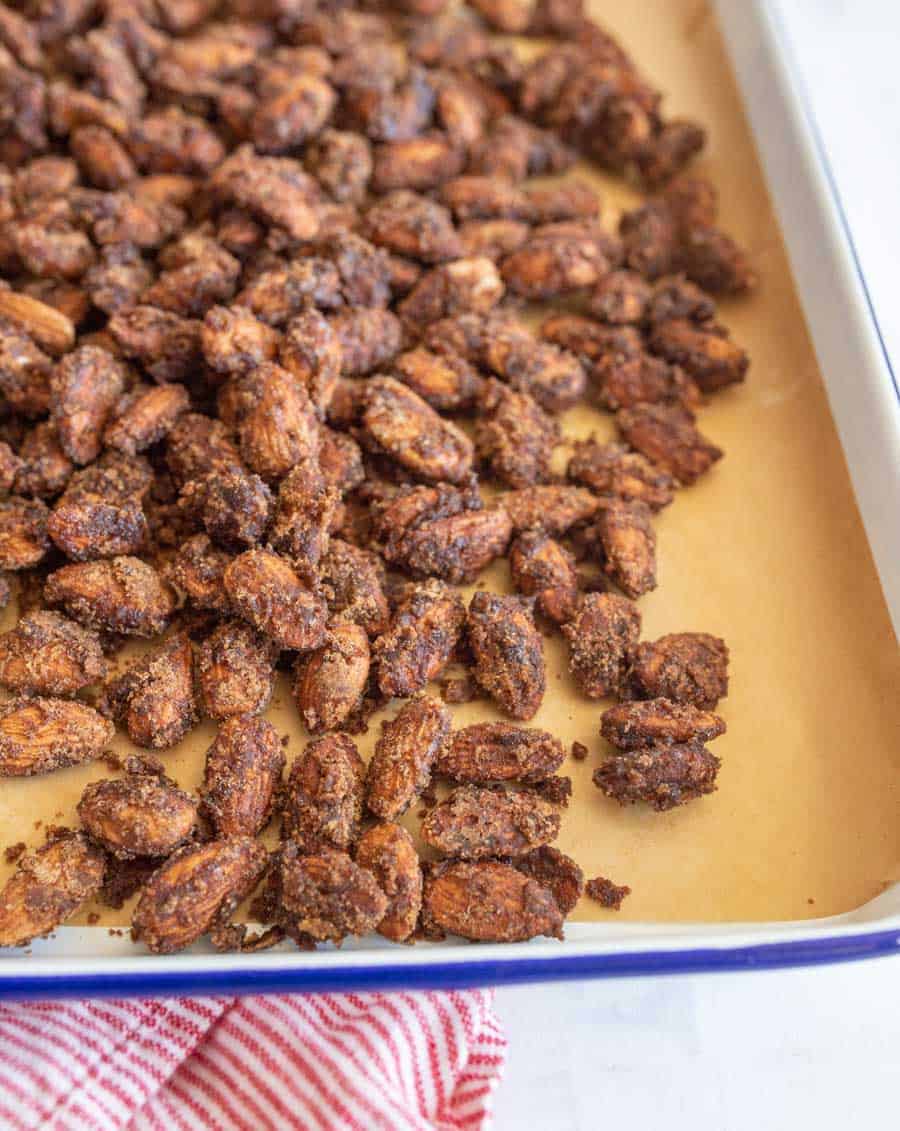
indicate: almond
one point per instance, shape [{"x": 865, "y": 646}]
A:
[
  {"x": 243, "y": 771},
  {"x": 489, "y": 902},
  {"x": 48, "y": 886},
  {"x": 404, "y": 755},
  {"x": 387, "y": 851},
  {"x": 327, "y": 896},
  {"x": 48, "y": 327},
  {"x": 324, "y": 797},
  {"x": 330, "y": 681},
  {"x": 474, "y": 823},
  {"x": 138, "y": 815},
  {"x": 41, "y": 734},
  {"x": 196, "y": 887},
  {"x": 491, "y": 752}
]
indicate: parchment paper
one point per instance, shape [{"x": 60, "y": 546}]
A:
[{"x": 767, "y": 551}]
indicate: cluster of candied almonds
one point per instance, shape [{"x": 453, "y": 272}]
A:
[{"x": 263, "y": 272}]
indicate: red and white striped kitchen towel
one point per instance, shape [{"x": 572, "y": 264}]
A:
[{"x": 353, "y": 1062}]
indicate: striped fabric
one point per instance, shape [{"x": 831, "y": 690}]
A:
[{"x": 398, "y": 1062}]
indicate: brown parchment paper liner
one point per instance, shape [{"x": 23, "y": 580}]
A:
[{"x": 767, "y": 551}]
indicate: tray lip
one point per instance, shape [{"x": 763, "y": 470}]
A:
[
  {"x": 782, "y": 39},
  {"x": 202, "y": 974},
  {"x": 210, "y": 978},
  {"x": 868, "y": 424}
]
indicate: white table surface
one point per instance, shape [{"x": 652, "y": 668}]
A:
[{"x": 817, "y": 1048}]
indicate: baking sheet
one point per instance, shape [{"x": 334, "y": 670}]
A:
[{"x": 767, "y": 551}]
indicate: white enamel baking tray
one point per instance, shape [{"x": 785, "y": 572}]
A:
[{"x": 90, "y": 961}]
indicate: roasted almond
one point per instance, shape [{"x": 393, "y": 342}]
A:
[
  {"x": 326, "y": 896},
  {"x": 39, "y": 735},
  {"x": 493, "y": 752},
  {"x": 48, "y": 886},
  {"x": 138, "y": 815},
  {"x": 474, "y": 823},
  {"x": 51, "y": 329},
  {"x": 404, "y": 756},
  {"x": 488, "y": 901},
  {"x": 324, "y": 798},
  {"x": 243, "y": 772},
  {"x": 387, "y": 851},
  {"x": 197, "y": 887}
]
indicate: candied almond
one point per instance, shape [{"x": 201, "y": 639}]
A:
[
  {"x": 274, "y": 419},
  {"x": 351, "y": 580},
  {"x": 138, "y": 815},
  {"x": 602, "y": 637},
  {"x": 123, "y": 595},
  {"x": 155, "y": 698},
  {"x": 47, "y": 654},
  {"x": 39, "y": 734},
  {"x": 197, "y": 886},
  {"x": 51, "y": 330},
  {"x": 304, "y": 515},
  {"x": 234, "y": 341},
  {"x": 553, "y": 508},
  {"x": 325, "y": 895},
  {"x": 611, "y": 470},
  {"x": 447, "y": 382},
  {"x": 474, "y": 823},
  {"x": 242, "y": 774},
  {"x": 397, "y": 422},
  {"x": 235, "y": 671},
  {"x": 514, "y": 436},
  {"x": 686, "y": 667},
  {"x": 101, "y": 512},
  {"x": 488, "y": 901},
  {"x": 330, "y": 681},
  {"x": 662, "y": 776},
  {"x": 45, "y": 468},
  {"x": 404, "y": 756},
  {"x": 420, "y": 639},
  {"x": 544, "y": 569},
  {"x": 323, "y": 799},
  {"x": 494, "y": 752},
  {"x": 508, "y": 652},
  {"x": 266, "y": 592},
  {"x": 233, "y": 506},
  {"x": 86, "y": 386},
  {"x": 667, "y": 437},
  {"x": 24, "y": 539},
  {"x": 629, "y": 546},
  {"x": 49, "y": 884},
  {"x": 387, "y": 851},
  {"x": 368, "y": 337},
  {"x": 629, "y": 726},
  {"x": 197, "y": 571}
]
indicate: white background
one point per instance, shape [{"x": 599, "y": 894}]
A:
[{"x": 794, "y": 1049}]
